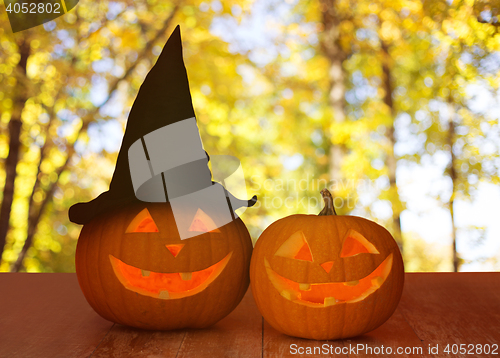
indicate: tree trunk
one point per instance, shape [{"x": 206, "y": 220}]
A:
[
  {"x": 453, "y": 177},
  {"x": 35, "y": 215},
  {"x": 15, "y": 125},
  {"x": 391, "y": 160},
  {"x": 332, "y": 49}
]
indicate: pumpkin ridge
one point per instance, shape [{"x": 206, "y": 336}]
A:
[{"x": 100, "y": 284}]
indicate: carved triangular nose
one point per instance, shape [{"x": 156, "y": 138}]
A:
[
  {"x": 327, "y": 266},
  {"x": 175, "y": 249}
]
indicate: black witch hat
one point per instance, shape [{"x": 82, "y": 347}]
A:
[{"x": 161, "y": 156}]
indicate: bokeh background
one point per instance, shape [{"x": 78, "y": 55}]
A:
[{"x": 393, "y": 105}]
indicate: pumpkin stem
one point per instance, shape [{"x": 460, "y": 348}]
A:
[{"x": 329, "y": 209}]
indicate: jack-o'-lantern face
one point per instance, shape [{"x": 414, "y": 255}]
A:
[
  {"x": 168, "y": 285},
  {"x": 326, "y": 277},
  {"x": 134, "y": 269},
  {"x": 325, "y": 294}
]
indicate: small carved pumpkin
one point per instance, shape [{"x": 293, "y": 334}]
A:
[
  {"x": 135, "y": 270},
  {"x": 327, "y": 276}
]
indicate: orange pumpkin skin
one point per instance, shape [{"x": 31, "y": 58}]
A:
[
  {"x": 105, "y": 239},
  {"x": 325, "y": 235}
]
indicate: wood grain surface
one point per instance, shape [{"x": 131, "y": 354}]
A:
[{"x": 46, "y": 315}]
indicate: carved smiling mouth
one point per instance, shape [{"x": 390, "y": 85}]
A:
[
  {"x": 166, "y": 286},
  {"x": 331, "y": 293}
]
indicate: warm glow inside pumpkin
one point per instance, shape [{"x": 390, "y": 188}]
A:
[
  {"x": 134, "y": 269},
  {"x": 203, "y": 223},
  {"x": 166, "y": 285},
  {"x": 143, "y": 222},
  {"x": 327, "y": 276}
]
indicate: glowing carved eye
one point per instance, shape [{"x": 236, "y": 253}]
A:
[
  {"x": 295, "y": 247},
  {"x": 355, "y": 244},
  {"x": 203, "y": 223},
  {"x": 143, "y": 222}
]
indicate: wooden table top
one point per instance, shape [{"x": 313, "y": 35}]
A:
[{"x": 46, "y": 315}]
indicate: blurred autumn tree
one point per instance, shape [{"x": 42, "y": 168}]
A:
[
  {"x": 347, "y": 91},
  {"x": 49, "y": 107},
  {"x": 356, "y": 71},
  {"x": 66, "y": 87},
  {"x": 413, "y": 60},
  {"x": 464, "y": 62}
]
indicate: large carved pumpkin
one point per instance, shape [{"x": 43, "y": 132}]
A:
[
  {"x": 135, "y": 270},
  {"x": 326, "y": 277}
]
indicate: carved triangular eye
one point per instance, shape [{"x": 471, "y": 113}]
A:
[
  {"x": 143, "y": 222},
  {"x": 296, "y": 247},
  {"x": 355, "y": 244},
  {"x": 203, "y": 223}
]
